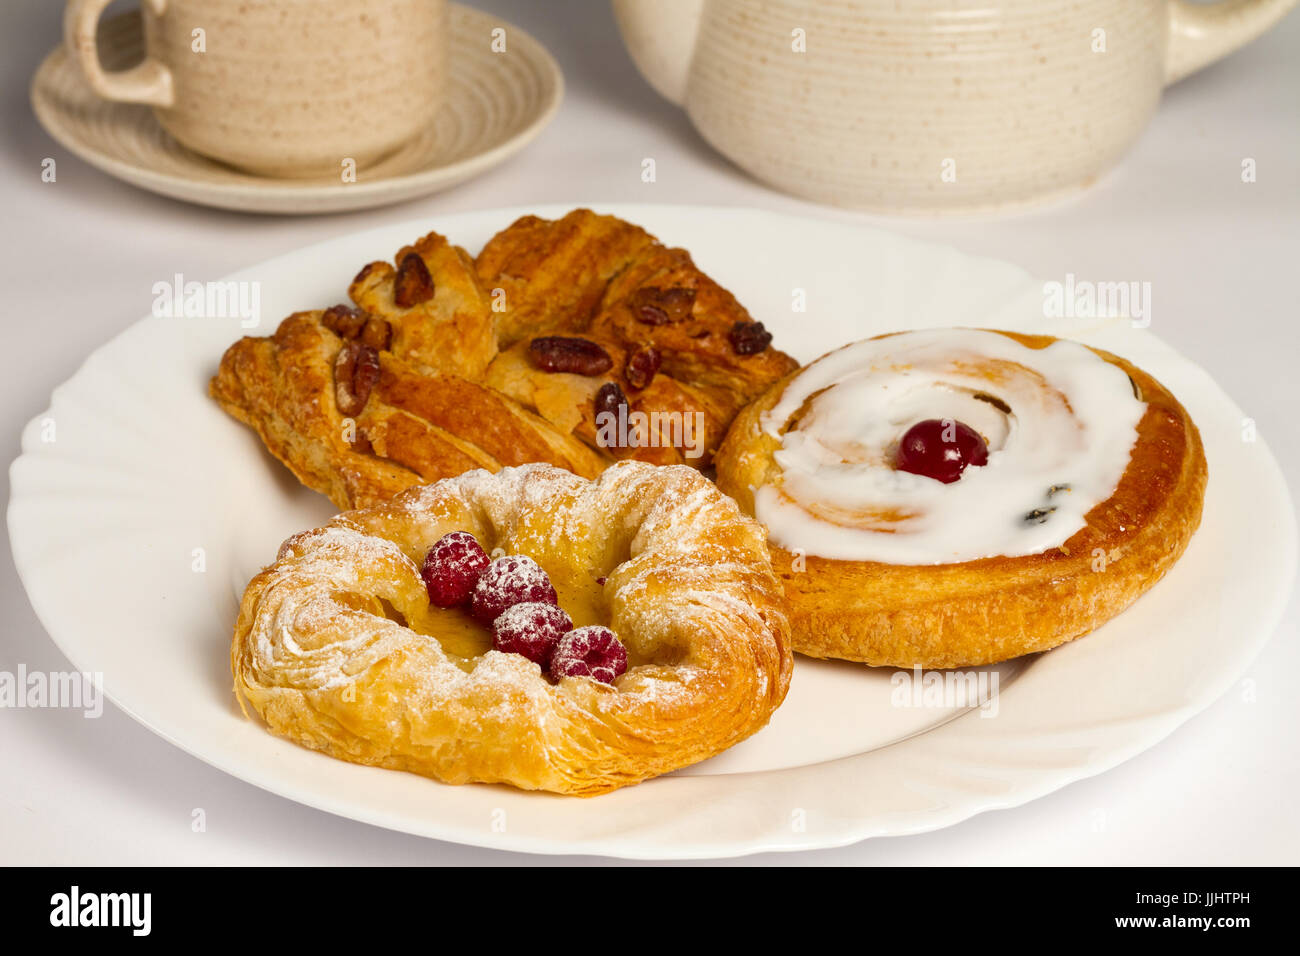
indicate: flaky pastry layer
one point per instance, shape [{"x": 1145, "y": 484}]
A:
[
  {"x": 337, "y": 649},
  {"x": 429, "y": 373}
]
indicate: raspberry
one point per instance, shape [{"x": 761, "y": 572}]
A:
[
  {"x": 589, "y": 652},
  {"x": 452, "y": 568},
  {"x": 512, "y": 579},
  {"x": 531, "y": 629}
]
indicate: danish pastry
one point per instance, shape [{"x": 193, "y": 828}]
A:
[
  {"x": 612, "y": 346},
  {"x": 956, "y": 497},
  {"x": 597, "y": 317},
  {"x": 358, "y": 423},
  {"x": 366, "y": 643}
]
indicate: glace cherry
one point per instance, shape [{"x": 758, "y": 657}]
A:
[{"x": 941, "y": 449}]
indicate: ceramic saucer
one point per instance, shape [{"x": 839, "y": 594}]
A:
[{"x": 497, "y": 104}]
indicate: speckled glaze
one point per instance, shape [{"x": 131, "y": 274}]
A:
[
  {"x": 495, "y": 105},
  {"x": 287, "y": 88},
  {"x": 927, "y": 106}
]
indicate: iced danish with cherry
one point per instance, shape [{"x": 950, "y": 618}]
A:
[{"x": 953, "y": 497}]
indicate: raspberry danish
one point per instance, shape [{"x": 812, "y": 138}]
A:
[
  {"x": 952, "y": 497},
  {"x": 632, "y": 626}
]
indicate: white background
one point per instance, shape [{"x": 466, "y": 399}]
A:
[{"x": 79, "y": 257}]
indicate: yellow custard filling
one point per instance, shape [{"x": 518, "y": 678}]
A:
[{"x": 464, "y": 639}]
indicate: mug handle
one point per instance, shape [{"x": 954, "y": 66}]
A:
[
  {"x": 1201, "y": 33},
  {"x": 150, "y": 82}
]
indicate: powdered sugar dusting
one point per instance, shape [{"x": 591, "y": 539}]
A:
[
  {"x": 530, "y": 628},
  {"x": 511, "y": 579},
  {"x": 319, "y": 621},
  {"x": 452, "y": 568}
]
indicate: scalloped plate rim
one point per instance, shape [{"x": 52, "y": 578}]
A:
[{"x": 1139, "y": 732}]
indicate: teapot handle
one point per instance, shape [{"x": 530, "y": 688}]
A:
[
  {"x": 1201, "y": 33},
  {"x": 660, "y": 35}
]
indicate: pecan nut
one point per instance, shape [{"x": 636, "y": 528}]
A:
[
  {"x": 349, "y": 323},
  {"x": 749, "y": 338},
  {"x": 361, "y": 443},
  {"x": 652, "y": 305},
  {"x": 344, "y": 321},
  {"x": 558, "y": 353},
  {"x": 642, "y": 365},
  {"x": 609, "y": 399},
  {"x": 413, "y": 284},
  {"x": 356, "y": 370}
]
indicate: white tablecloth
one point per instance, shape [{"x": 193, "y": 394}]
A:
[{"x": 80, "y": 255}]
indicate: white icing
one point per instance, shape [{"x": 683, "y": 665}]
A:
[{"x": 1073, "y": 421}]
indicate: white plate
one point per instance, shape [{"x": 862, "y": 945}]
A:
[{"x": 143, "y": 470}]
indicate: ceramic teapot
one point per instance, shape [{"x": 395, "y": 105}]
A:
[{"x": 928, "y": 106}]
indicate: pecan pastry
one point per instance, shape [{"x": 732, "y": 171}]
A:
[
  {"x": 683, "y": 352},
  {"x": 577, "y": 342},
  {"x": 442, "y": 320},
  {"x": 359, "y": 424}
]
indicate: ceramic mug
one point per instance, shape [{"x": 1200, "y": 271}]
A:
[
  {"x": 286, "y": 88},
  {"x": 928, "y": 106}
]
